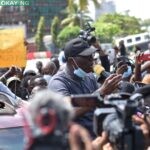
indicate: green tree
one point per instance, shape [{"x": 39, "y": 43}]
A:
[
  {"x": 106, "y": 31},
  {"x": 67, "y": 34},
  {"x": 113, "y": 25},
  {"x": 39, "y": 34},
  {"x": 145, "y": 22},
  {"x": 74, "y": 17},
  {"x": 77, "y": 13},
  {"x": 55, "y": 29},
  {"x": 127, "y": 24}
]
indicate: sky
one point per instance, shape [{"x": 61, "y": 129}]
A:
[{"x": 137, "y": 8}]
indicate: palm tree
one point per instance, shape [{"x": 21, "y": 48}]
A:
[
  {"x": 74, "y": 17},
  {"x": 83, "y": 4},
  {"x": 76, "y": 12}
]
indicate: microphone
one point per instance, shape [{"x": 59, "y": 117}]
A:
[{"x": 100, "y": 72}]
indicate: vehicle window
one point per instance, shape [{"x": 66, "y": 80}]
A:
[
  {"x": 129, "y": 40},
  {"x": 147, "y": 37},
  {"x": 138, "y": 38},
  {"x": 11, "y": 139}
]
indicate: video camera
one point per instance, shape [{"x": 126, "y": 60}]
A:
[
  {"x": 86, "y": 34},
  {"x": 114, "y": 116}
]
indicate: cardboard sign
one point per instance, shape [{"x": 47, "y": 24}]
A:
[{"x": 12, "y": 48}]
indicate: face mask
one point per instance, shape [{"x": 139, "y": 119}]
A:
[
  {"x": 79, "y": 72},
  {"x": 47, "y": 78},
  {"x": 127, "y": 73}
]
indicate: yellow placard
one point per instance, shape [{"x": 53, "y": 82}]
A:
[{"x": 12, "y": 48}]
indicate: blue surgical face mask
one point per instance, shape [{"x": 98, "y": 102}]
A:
[
  {"x": 47, "y": 78},
  {"x": 79, "y": 72},
  {"x": 127, "y": 73}
]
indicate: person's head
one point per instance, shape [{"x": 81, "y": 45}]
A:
[
  {"x": 29, "y": 73},
  {"x": 56, "y": 62},
  {"x": 49, "y": 68},
  {"x": 121, "y": 42},
  {"x": 36, "y": 89},
  {"x": 47, "y": 118},
  {"x": 137, "y": 48},
  {"x": 79, "y": 54},
  {"x": 13, "y": 84},
  {"x": 39, "y": 66},
  {"x": 116, "y": 49},
  {"x": 126, "y": 87},
  {"x": 37, "y": 81}
]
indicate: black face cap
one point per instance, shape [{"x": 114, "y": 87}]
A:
[
  {"x": 77, "y": 47},
  {"x": 74, "y": 47}
]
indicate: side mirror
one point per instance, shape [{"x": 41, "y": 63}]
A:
[
  {"x": 6, "y": 106},
  {"x": 6, "y": 109}
]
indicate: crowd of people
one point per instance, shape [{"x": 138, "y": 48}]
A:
[{"x": 53, "y": 122}]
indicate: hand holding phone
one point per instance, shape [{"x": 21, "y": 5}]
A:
[{"x": 144, "y": 57}]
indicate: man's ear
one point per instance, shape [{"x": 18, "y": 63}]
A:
[{"x": 71, "y": 61}]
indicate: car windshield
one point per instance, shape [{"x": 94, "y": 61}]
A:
[{"x": 11, "y": 139}]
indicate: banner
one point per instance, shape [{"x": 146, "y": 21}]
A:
[{"x": 12, "y": 48}]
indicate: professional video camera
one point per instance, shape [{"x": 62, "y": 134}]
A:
[
  {"x": 115, "y": 118},
  {"x": 86, "y": 34},
  {"x": 46, "y": 122}
]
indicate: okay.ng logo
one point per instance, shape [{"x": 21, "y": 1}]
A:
[{"x": 14, "y": 2}]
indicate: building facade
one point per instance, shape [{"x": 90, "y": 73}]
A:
[{"x": 30, "y": 15}]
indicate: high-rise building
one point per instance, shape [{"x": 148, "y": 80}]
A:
[
  {"x": 30, "y": 15},
  {"x": 106, "y": 6},
  {"x": 46, "y": 8}
]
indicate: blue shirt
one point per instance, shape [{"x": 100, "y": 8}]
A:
[
  {"x": 67, "y": 85},
  {"x": 12, "y": 97}
]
